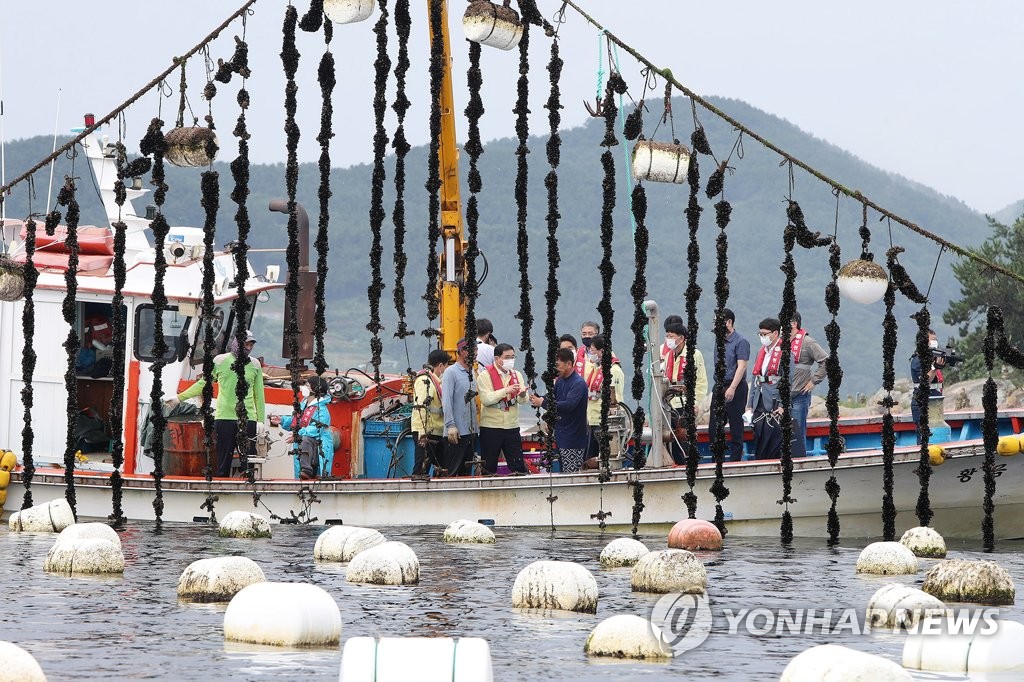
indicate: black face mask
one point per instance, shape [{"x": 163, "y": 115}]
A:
[{"x": 587, "y": 341}]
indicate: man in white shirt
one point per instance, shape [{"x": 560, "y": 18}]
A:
[{"x": 484, "y": 349}]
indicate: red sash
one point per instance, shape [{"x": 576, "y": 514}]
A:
[
  {"x": 595, "y": 380},
  {"x": 674, "y": 365},
  {"x": 307, "y": 416},
  {"x": 498, "y": 384},
  {"x": 795, "y": 344},
  {"x": 581, "y": 361},
  {"x": 433, "y": 380}
]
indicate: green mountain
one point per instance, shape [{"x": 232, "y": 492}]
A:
[
  {"x": 757, "y": 189},
  {"x": 1008, "y": 215}
]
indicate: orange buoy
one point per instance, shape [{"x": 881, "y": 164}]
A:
[{"x": 694, "y": 534}]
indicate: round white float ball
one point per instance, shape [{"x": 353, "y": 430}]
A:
[
  {"x": 330, "y": 545},
  {"x": 406, "y": 658},
  {"x": 283, "y": 614},
  {"x": 392, "y": 563},
  {"x": 218, "y": 579},
  {"x": 887, "y": 558},
  {"x": 841, "y": 664},
  {"x": 468, "y": 532},
  {"x": 560, "y": 585},
  {"x": 90, "y": 531},
  {"x": 360, "y": 541},
  {"x": 924, "y": 542},
  {"x": 18, "y": 665},
  {"x": 243, "y": 524},
  {"x": 897, "y": 606},
  {"x": 626, "y": 636},
  {"x": 669, "y": 570},
  {"x": 622, "y": 552},
  {"x": 49, "y": 517},
  {"x": 84, "y": 556},
  {"x": 998, "y": 652},
  {"x": 976, "y": 582}
]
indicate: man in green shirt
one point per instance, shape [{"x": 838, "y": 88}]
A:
[{"x": 226, "y": 419}]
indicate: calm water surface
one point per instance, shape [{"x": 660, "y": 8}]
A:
[{"x": 134, "y": 628}]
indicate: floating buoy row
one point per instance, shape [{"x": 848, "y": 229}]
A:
[{"x": 342, "y": 543}]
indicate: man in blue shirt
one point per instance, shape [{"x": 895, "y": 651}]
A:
[
  {"x": 571, "y": 434},
  {"x": 737, "y": 355},
  {"x": 458, "y": 402}
]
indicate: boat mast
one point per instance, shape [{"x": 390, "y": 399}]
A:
[{"x": 453, "y": 263}]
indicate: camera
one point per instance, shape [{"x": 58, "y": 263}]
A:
[{"x": 947, "y": 354}]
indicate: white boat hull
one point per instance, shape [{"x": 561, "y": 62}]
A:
[{"x": 751, "y": 509}]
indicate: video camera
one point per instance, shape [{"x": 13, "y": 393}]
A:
[{"x": 947, "y": 354}]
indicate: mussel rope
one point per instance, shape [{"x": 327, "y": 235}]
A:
[
  {"x": 290, "y": 61},
  {"x": 118, "y": 321},
  {"x": 641, "y": 244},
  {"x": 723, "y": 212},
  {"x": 381, "y": 68},
  {"x": 327, "y": 80},
  {"x": 474, "y": 110},
  {"x": 403, "y": 26},
  {"x": 433, "y": 183},
  {"x": 834, "y": 372},
  {"x": 693, "y": 291},
  {"x": 210, "y": 184},
  {"x": 785, "y": 315},
  {"x": 154, "y": 144},
  {"x": 889, "y": 337},
  {"x": 66, "y": 198},
  {"x": 551, "y": 292},
  {"x": 314, "y": 17},
  {"x": 990, "y": 427},
  {"x": 28, "y": 362},
  {"x": 522, "y": 112}
]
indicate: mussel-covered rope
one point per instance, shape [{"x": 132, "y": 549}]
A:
[
  {"x": 522, "y": 112},
  {"x": 692, "y": 296},
  {"x": 326, "y": 78},
  {"x": 834, "y": 372},
  {"x": 66, "y": 197},
  {"x": 314, "y": 17},
  {"x": 210, "y": 185},
  {"x": 433, "y": 183},
  {"x": 785, "y": 393},
  {"x": 28, "y": 362},
  {"x": 474, "y": 111},
  {"x": 403, "y": 27},
  {"x": 990, "y": 426},
  {"x": 641, "y": 244},
  {"x": 381, "y": 68}
]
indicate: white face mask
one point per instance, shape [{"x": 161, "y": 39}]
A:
[
  {"x": 671, "y": 343},
  {"x": 766, "y": 340},
  {"x": 508, "y": 365},
  {"x": 304, "y": 391},
  {"x": 933, "y": 343}
]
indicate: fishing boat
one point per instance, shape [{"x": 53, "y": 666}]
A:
[{"x": 369, "y": 482}]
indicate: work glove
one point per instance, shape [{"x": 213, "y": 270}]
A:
[{"x": 453, "y": 435}]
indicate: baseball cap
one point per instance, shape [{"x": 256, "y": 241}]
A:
[{"x": 461, "y": 344}]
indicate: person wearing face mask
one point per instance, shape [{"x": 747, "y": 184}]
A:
[
  {"x": 765, "y": 408},
  {"x": 737, "y": 355},
  {"x": 427, "y": 414},
  {"x": 674, "y": 363},
  {"x": 806, "y": 352},
  {"x": 226, "y": 419},
  {"x": 502, "y": 390},
  {"x": 458, "y": 403},
  {"x": 934, "y": 376},
  {"x": 588, "y": 330},
  {"x": 595, "y": 381},
  {"x": 314, "y": 453}
]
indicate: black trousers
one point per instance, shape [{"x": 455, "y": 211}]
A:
[
  {"x": 226, "y": 430},
  {"x": 457, "y": 454},
  {"x": 509, "y": 441},
  {"x": 429, "y": 455},
  {"x": 734, "y": 415}
]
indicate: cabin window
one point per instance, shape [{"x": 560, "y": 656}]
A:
[
  {"x": 220, "y": 323},
  {"x": 175, "y": 328}
]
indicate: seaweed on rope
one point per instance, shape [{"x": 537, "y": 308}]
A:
[
  {"x": 433, "y": 183},
  {"x": 522, "y": 112},
  {"x": 474, "y": 111},
  {"x": 327, "y": 80},
  {"x": 118, "y": 321},
  {"x": 28, "y": 361},
  {"x": 399, "y": 142},
  {"x": 692, "y": 296},
  {"x": 834, "y": 373},
  {"x": 66, "y": 197}
]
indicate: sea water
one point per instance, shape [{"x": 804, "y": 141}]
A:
[{"x": 134, "y": 628}]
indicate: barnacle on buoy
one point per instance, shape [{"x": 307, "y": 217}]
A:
[
  {"x": 191, "y": 147},
  {"x": 492, "y": 25},
  {"x": 863, "y": 281}
]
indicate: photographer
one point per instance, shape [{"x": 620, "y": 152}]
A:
[{"x": 939, "y": 359}]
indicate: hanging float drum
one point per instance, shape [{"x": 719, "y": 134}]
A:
[
  {"x": 863, "y": 281},
  {"x": 660, "y": 161},
  {"x": 12, "y": 280},
  {"x": 192, "y": 147},
  {"x": 492, "y": 25},
  {"x": 348, "y": 11}
]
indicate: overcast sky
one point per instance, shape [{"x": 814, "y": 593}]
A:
[{"x": 929, "y": 89}]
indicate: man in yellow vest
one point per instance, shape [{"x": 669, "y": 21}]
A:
[
  {"x": 427, "y": 415},
  {"x": 594, "y": 377},
  {"x": 502, "y": 390}
]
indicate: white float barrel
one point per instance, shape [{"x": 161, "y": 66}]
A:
[
  {"x": 622, "y": 552},
  {"x": 88, "y": 555},
  {"x": 492, "y": 25},
  {"x": 18, "y": 664},
  {"x": 348, "y": 11},
  {"x": 468, "y": 532},
  {"x": 626, "y": 636},
  {"x": 218, "y": 579},
  {"x": 833, "y": 662},
  {"x": 669, "y": 570},
  {"x": 887, "y": 558},
  {"x": 924, "y": 542},
  {"x": 976, "y": 582},
  {"x": 896, "y": 606},
  {"x": 391, "y": 563},
  {"x": 283, "y": 614},
  {"x": 423, "y": 659},
  {"x": 49, "y": 517},
  {"x": 561, "y": 585},
  {"x": 660, "y": 161},
  {"x": 90, "y": 531},
  {"x": 243, "y": 524}
]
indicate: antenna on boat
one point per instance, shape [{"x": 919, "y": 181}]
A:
[{"x": 56, "y": 121}]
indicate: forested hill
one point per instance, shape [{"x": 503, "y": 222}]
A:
[{"x": 757, "y": 190}]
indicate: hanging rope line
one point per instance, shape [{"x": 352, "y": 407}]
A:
[
  {"x": 693, "y": 291},
  {"x": 403, "y": 27},
  {"x": 381, "y": 68},
  {"x": 327, "y": 80},
  {"x": 641, "y": 243},
  {"x": 433, "y": 183},
  {"x": 785, "y": 394},
  {"x": 522, "y": 112},
  {"x": 474, "y": 111},
  {"x": 889, "y": 339},
  {"x": 834, "y": 373},
  {"x": 852, "y": 193},
  {"x": 210, "y": 185},
  {"x": 28, "y": 360},
  {"x": 66, "y": 197}
]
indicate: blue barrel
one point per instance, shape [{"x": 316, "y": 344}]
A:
[{"x": 384, "y": 454}]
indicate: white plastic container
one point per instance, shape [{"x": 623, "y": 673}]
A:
[
  {"x": 424, "y": 659},
  {"x": 492, "y": 25},
  {"x": 348, "y": 11},
  {"x": 660, "y": 161}
]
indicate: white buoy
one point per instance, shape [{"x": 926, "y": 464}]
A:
[
  {"x": 669, "y": 570},
  {"x": 660, "y": 161},
  {"x": 887, "y": 558},
  {"x": 468, "y": 532},
  {"x": 218, "y": 579},
  {"x": 555, "y": 585},
  {"x": 622, "y": 552},
  {"x": 897, "y": 606},
  {"x": 243, "y": 524},
  {"x": 392, "y": 563},
  {"x": 992, "y": 646},
  {"x": 49, "y": 517},
  {"x": 18, "y": 665},
  {"x": 836, "y": 663},
  {"x": 397, "y": 659},
  {"x": 626, "y": 636},
  {"x": 975, "y": 582},
  {"x": 348, "y": 11},
  {"x": 283, "y": 614},
  {"x": 90, "y": 531},
  {"x": 924, "y": 542},
  {"x": 330, "y": 545},
  {"x": 492, "y": 25},
  {"x": 863, "y": 281},
  {"x": 90, "y": 555}
]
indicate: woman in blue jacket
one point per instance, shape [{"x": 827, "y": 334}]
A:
[{"x": 314, "y": 454}]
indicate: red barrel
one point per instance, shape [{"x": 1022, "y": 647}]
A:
[{"x": 184, "y": 451}]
